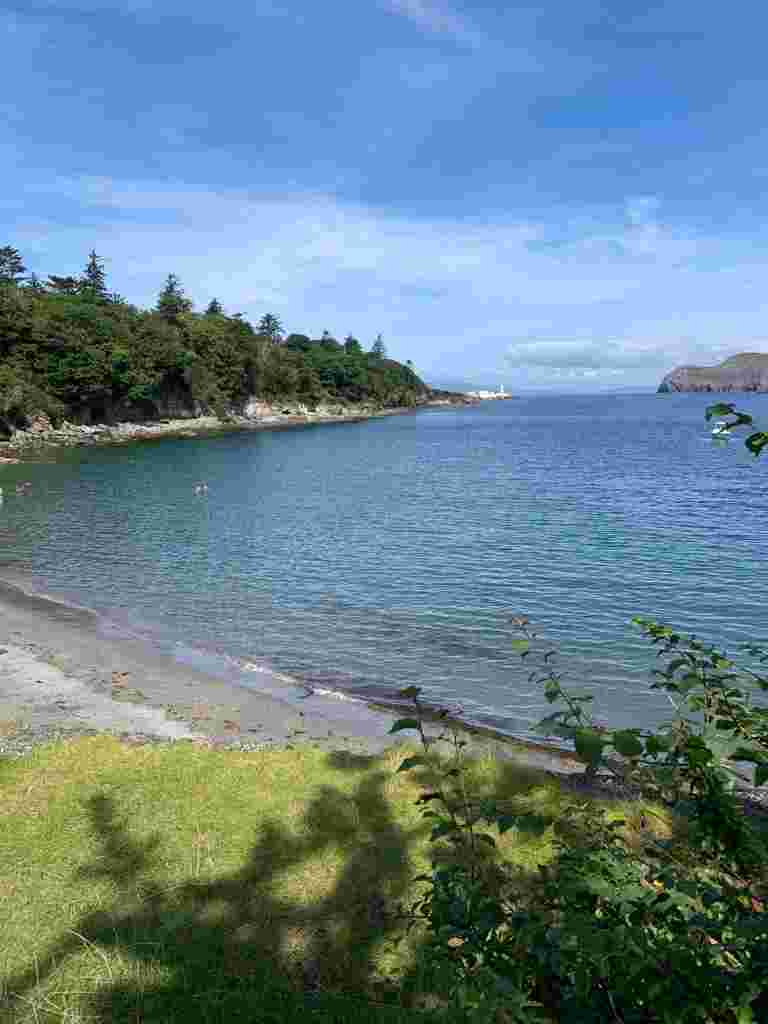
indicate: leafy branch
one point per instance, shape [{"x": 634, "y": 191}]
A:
[{"x": 754, "y": 442}]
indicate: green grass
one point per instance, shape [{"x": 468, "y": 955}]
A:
[{"x": 176, "y": 883}]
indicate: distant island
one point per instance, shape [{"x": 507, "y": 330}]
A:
[{"x": 747, "y": 371}]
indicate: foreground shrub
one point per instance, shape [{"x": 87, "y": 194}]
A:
[{"x": 626, "y": 927}]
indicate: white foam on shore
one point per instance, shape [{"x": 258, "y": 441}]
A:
[{"x": 321, "y": 691}]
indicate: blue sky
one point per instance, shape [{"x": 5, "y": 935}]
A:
[{"x": 550, "y": 196}]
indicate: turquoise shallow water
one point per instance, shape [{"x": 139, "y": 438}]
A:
[{"x": 366, "y": 557}]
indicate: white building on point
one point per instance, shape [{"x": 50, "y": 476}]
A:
[{"x": 501, "y": 393}]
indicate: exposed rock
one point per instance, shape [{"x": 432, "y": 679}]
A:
[
  {"x": 438, "y": 397},
  {"x": 257, "y": 415},
  {"x": 39, "y": 424},
  {"x": 747, "y": 371}
]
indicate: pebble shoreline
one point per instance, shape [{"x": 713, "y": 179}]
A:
[{"x": 257, "y": 416}]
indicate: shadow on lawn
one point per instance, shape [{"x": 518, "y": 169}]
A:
[{"x": 221, "y": 949}]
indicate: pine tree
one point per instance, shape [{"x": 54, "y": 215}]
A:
[
  {"x": 93, "y": 281},
  {"x": 172, "y": 302},
  {"x": 270, "y": 326},
  {"x": 215, "y": 308},
  {"x": 378, "y": 348},
  {"x": 11, "y": 265},
  {"x": 352, "y": 346}
]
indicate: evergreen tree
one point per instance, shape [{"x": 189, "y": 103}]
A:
[
  {"x": 270, "y": 326},
  {"x": 352, "y": 346},
  {"x": 378, "y": 348},
  {"x": 172, "y": 301},
  {"x": 93, "y": 282},
  {"x": 215, "y": 308},
  {"x": 299, "y": 342},
  {"x": 11, "y": 265}
]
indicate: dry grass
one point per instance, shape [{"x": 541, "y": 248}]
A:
[{"x": 173, "y": 882}]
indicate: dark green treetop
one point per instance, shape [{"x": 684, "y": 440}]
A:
[
  {"x": 214, "y": 308},
  {"x": 352, "y": 346},
  {"x": 328, "y": 341},
  {"x": 93, "y": 282},
  {"x": 11, "y": 265},
  {"x": 270, "y": 326},
  {"x": 378, "y": 348},
  {"x": 172, "y": 301}
]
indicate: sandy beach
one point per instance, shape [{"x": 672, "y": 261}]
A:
[{"x": 64, "y": 670}]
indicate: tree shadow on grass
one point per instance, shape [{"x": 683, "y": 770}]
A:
[
  {"x": 236, "y": 948},
  {"x": 232, "y": 948}
]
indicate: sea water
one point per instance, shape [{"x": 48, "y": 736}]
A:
[{"x": 360, "y": 558}]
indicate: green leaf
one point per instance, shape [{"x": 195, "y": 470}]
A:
[
  {"x": 657, "y": 744},
  {"x": 627, "y": 743},
  {"x": 756, "y": 442},
  {"x": 719, "y": 409},
  {"x": 404, "y": 723},
  {"x": 589, "y": 746},
  {"x": 483, "y": 837},
  {"x": 552, "y": 691},
  {"x": 761, "y": 774},
  {"x": 412, "y": 762},
  {"x": 409, "y": 692},
  {"x": 505, "y": 822},
  {"x": 444, "y": 827},
  {"x": 743, "y": 418}
]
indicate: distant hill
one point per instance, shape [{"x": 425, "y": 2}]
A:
[{"x": 747, "y": 371}]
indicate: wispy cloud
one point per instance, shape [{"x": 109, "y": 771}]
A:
[
  {"x": 434, "y": 18},
  {"x": 451, "y": 294}
]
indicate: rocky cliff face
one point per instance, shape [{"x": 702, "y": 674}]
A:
[{"x": 747, "y": 371}]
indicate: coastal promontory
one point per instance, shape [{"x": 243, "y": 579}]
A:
[{"x": 747, "y": 371}]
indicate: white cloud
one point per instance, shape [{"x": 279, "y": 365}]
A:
[{"x": 598, "y": 299}]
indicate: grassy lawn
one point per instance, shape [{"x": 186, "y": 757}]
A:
[{"x": 176, "y": 883}]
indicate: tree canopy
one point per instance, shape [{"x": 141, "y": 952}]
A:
[{"x": 73, "y": 350}]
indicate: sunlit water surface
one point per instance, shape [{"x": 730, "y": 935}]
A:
[{"x": 366, "y": 557}]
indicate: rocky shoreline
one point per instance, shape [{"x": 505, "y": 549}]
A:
[
  {"x": 257, "y": 415},
  {"x": 42, "y": 433}
]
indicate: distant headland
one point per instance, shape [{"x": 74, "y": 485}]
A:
[{"x": 747, "y": 371}]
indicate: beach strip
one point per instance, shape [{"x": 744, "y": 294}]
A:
[{"x": 65, "y": 670}]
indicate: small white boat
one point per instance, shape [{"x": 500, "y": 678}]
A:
[{"x": 720, "y": 429}]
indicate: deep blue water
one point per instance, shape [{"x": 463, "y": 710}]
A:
[{"x": 371, "y": 556}]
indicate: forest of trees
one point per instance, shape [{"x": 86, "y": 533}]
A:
[{"x": 71, "y": 348}]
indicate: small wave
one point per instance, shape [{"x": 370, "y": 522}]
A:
[{"x": 320, "y": 691}]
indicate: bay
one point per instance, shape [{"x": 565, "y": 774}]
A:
[{"x": 361, "y": 558}]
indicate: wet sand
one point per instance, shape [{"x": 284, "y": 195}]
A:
[{"x": 65, "y": 670}]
